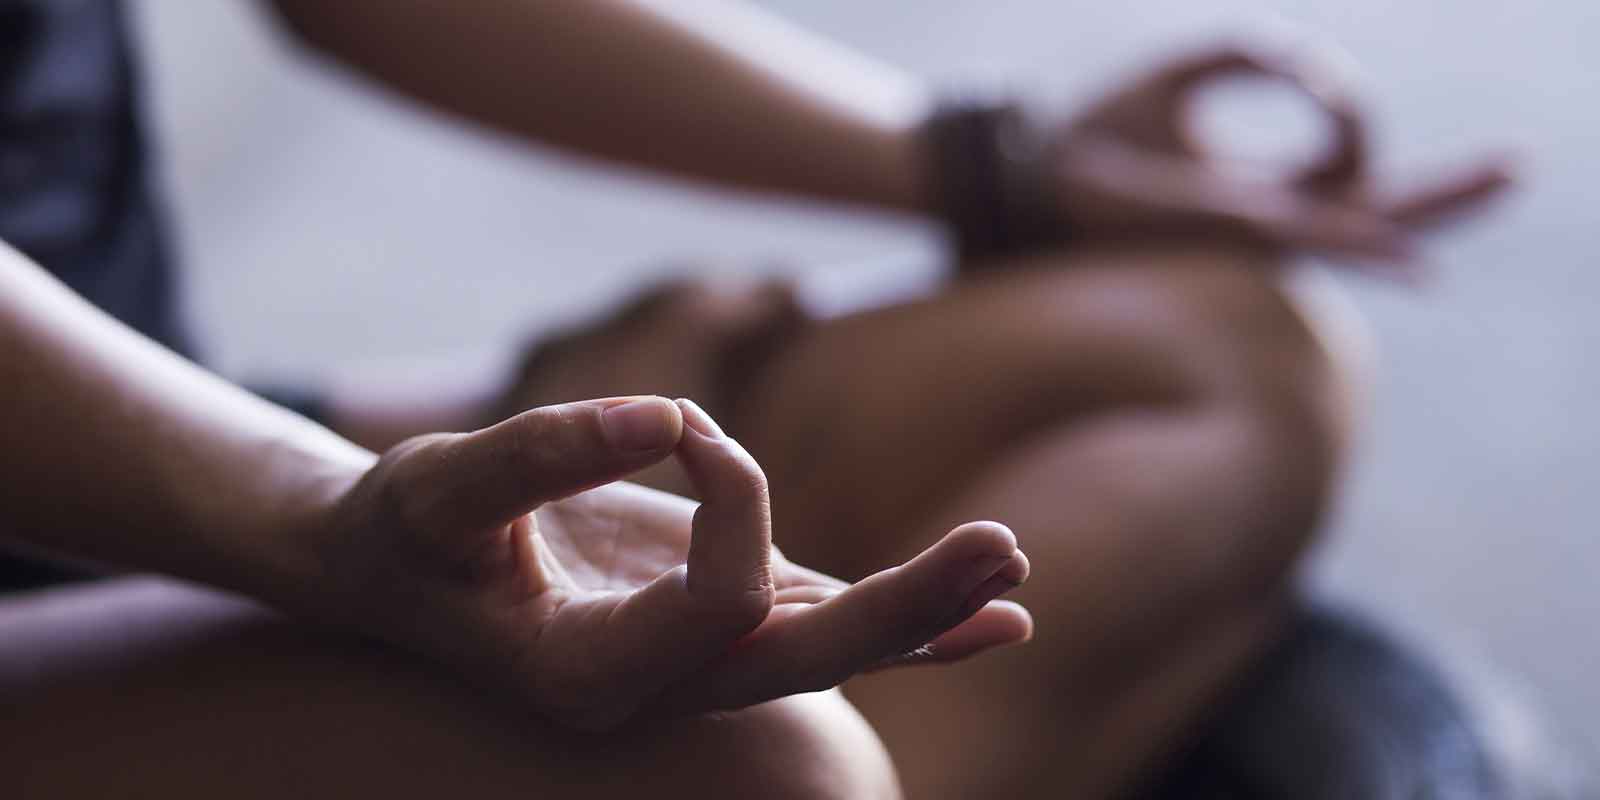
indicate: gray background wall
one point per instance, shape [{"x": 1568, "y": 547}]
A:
[{"x": 324, "y": 227}]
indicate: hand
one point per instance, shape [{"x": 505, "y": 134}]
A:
[
  {"x": 1128, "y": 168},
  {"x": 610, "y": 599}
]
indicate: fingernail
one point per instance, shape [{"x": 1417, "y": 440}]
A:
[
  {"x": 696, "y": 417},
  {"x": 638, "y": 425}
]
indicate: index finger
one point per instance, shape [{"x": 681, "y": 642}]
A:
[
  {"x": 1347, "y": 154},
  {"x": 694, "y": 613},
  {"x": 1445, "y": 197},
  {"x": 805, "y": 648}
]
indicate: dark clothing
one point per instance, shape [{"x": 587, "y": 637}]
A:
[{"x": 75, "y": 191}]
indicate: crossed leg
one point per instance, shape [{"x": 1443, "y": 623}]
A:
[
  {"x": 149, "y": 688},
  {"x": 1160, "y": 429}
]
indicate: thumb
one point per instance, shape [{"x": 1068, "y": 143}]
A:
[{"x": 489, "y": 478}]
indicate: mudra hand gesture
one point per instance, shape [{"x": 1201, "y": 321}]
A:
[
  {"x": 511, "y": 554},
  {"x": 1128, "y": 169}
]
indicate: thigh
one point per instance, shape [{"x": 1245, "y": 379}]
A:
[
  {"x": 1160, "y": 429},
  {"x": 865, "y": 424},
  {"x": 148, "y": 688}
]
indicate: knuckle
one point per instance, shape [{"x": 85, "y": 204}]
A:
[
  {"x": 530, "y": 444},
  {"x": 552, "y": 440},
  {"x": 407, "y": 492},
  {"x": 752, "y": 606},
  {"x": 744, "y": 477},
  {"x": 755, "y": 480},
  {"x": 738, "y": 613}
]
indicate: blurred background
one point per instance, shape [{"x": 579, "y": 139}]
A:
[{"x": 324, "y": 228}]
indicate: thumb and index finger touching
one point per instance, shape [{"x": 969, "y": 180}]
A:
[
  {"x": 687, "y": 615},
  {"x": 1332, "y": 203},
  {"x": 495, "y": 475}
]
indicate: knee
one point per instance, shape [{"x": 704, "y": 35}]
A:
[
  {"x": 812, "y": 746},
  {"x": 1273, "y": 364},
  {"x": 1281, "y": 359},
  {"x": 1289, "y": 364},
  {"x": 1227, "y": 330},
  {"x": 1191, "y": 330},
  {"x": 1295, "y": 358}
]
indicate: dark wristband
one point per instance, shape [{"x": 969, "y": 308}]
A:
[{"x": 990, "y": 181}]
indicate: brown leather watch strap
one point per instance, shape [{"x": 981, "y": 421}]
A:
[{"x": 990, "y": 181}]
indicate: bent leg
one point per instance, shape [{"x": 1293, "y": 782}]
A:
[
  {"x": 148, "y": 688},
  {"x": 1159, "y": 429}
]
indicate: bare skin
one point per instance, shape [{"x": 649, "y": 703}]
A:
[
  {"x": 149, "y": 688},
  {"x": 1161, "y": 427},
  {"x": 509, "y": 557},
  {"x": 1184, "y": 457},
  {"x": 1162, "y": 431},
  {"x": 1153, "y": 409},
  {"x": 1181, "y": 396}
]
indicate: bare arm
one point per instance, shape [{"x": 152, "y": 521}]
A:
[
  {"x": 719, "y": 91},
  {"x": 98, "y": 426},
  {"x": 605, "y": 604},
  {"x": 710, "y": 90}
]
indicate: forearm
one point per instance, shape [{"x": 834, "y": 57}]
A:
[
  {"x": 121, "y": 452},
  {"x": 713, "y": 91}
]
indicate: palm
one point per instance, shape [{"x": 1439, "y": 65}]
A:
[
  {"x": 614, "y": 539},
  {"x": 586, "y": 556},
  {"x": 597, "y": 549}
]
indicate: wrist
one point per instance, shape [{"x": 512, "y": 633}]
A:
[
  {"x": 284, "y": 561},
  {"x": 988, "y": 168},
  {"x": 903, "y": 181}
]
